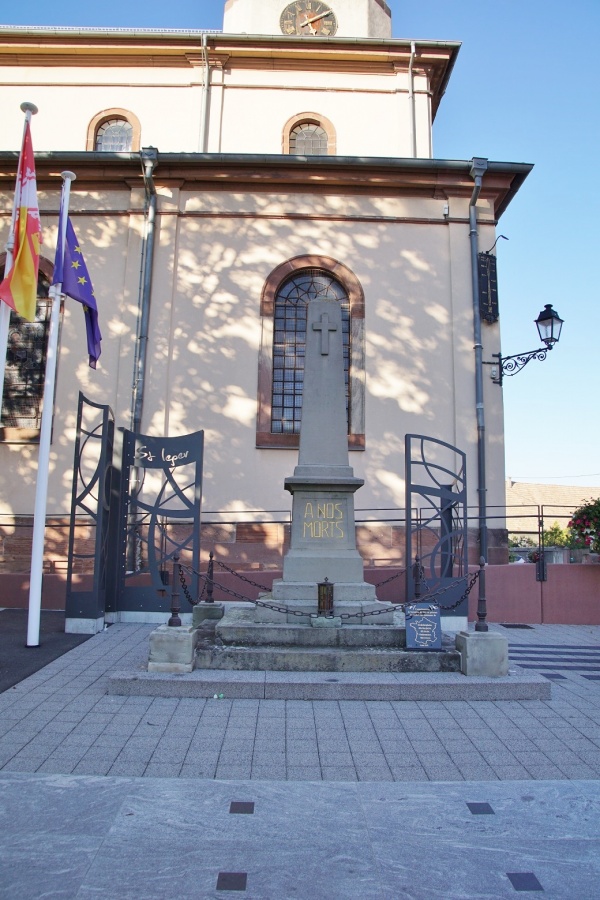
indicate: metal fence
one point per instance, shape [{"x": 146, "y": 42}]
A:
[{"x": 269, "y": 529}]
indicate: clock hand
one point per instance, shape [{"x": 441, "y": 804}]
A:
[
  {"x": 308, "y": 23},
  {"x": 317, "y": 17}
]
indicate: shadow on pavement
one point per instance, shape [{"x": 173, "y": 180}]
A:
[{"x": 17, "y": 661}]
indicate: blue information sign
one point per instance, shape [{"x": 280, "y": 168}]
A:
[{"x": 423, "y": 626}]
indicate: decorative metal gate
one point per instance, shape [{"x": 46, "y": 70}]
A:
[
  {"x": 88, "y": 537},
  {"x": 160, "y": 488},
  {"x": 436, "y": 511}
]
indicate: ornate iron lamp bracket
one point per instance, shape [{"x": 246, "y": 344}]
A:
[{"x": 510, "y": 365}]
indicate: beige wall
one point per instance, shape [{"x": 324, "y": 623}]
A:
[
  {"x": 212, "y": 259},
  {"x": 246, "y": 108},
  {"x": 216, "y": 246}
]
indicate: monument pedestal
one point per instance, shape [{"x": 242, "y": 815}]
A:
[{"x": 323, "y": 538}]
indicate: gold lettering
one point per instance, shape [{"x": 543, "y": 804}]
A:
[
  {"x": 310, "y": 526},
  {"x": 321, "y": 513},
  {"x": 308, "y": 511},
  {"x": 339, "y": 511},
  {"x": 339, "y": 529}
]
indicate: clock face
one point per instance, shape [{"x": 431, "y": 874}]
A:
[{"x": 308, "y": 17}]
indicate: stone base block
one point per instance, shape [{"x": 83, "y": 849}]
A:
[
  {"x": 173, "y": 649},
  {"x": 288, "y": 591},
  {"x": 268, "y": 616},
  {"x": 323, "y": 622},
  {"x": 354, "y": 592},
  {"x": 83, "y": 626},
  {"x": 204, "y": 611},
  {"x": 482, "y": 653}
]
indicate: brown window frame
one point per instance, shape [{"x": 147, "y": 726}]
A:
[
  {"x": 265, "y": 438},
  {"x": 117, "y": 113},
  {"x": 309, "y": 118}
]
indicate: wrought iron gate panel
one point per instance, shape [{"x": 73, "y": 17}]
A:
[
  {"x": 436, "y": 511},
  {"x": 160, "y": 491},
  {"x": 92, "y": 465}
]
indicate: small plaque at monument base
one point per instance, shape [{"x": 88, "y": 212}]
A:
[{"x": 423, "y": 626}]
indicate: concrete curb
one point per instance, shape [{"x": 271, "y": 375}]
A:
[{"x": 267, "y": 685}]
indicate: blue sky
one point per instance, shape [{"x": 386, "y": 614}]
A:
[{"x": 524, "y": 90}]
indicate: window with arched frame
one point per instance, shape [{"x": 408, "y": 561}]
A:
[
  {"x": 114, "y": 136},
  {"x": 308, "y": 139},
  {"x": 114, "y": 131},
  {"x": 286, "y": 295},
  {"x": 25, "y": 370},
  {"x": 309, "y": 134},
  {"x": 289, "y": 343}
]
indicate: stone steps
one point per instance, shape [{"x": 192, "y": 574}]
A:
[
  {"x": 324, "y": 659},
  {"x": 425, "y": 686},
  {"x": 285, "y": 635}
]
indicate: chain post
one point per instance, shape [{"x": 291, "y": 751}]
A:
[
  {"x": 175, "y": 620},
  {"x": 481, "y": 624},
  {"x": 417, "y": 576},
  {"x": 209, "y": 579}
]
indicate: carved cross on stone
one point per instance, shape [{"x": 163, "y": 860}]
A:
[{"x": 324, "y": 327}]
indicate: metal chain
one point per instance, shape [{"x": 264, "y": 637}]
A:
[
  {"x": 186, "y": 590},
  {"x": 391, "y": 578},
  {"x": 261, "y": 587},
  {"x": 285, "y": 610}
]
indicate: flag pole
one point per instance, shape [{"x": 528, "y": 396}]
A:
[
  {"x": 41, "y": 490},
  {"x": 30, "y": 109}
]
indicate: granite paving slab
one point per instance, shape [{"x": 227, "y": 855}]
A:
[{"x": 89, "y": 837}]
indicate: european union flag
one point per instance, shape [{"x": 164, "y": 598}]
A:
[{"x": 71, "y": 272}]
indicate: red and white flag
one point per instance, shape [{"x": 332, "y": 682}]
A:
[{"x": 19, "y": 287}]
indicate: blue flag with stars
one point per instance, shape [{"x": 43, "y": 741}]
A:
[{"x": 71, "y": 272}]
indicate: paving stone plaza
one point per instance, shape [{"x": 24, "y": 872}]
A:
[{"x": 132, "y": 796}]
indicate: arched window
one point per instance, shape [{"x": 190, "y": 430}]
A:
[
  {"x": 289, "y": 343},
  {"x": 114, "y": 131},
  {"x": 309, "y": 134},
  {"x": 114, "y": 136},
  {"x": 286, "y": 295},
  {"x": 26, "y": 367},
  {"x": 308, "y": 139}
]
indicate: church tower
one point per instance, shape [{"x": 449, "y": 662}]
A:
[{"x": 309, "y": 18}]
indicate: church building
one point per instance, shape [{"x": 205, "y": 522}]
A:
[{"x": 223, "y": 181}]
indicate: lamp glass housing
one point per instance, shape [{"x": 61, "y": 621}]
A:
[{"x": 549, "y": 325}]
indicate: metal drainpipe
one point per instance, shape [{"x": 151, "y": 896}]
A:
[
  {"x": 478, "y": 168},
  {"x": 205, "y": 94},
  {"x": 149, "y": 157},
  {"x": 411, "y": 100}
]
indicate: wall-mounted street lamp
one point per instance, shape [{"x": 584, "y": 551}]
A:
[{"x": 549, "y": 325}]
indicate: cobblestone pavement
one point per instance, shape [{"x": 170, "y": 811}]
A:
[
  {"x": 61, "y": 721},
  {"x": 129, "y": 797}
]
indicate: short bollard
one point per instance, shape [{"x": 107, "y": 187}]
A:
[
  {"x": 209, "y": 579},
  {"x": 417, "y": 572},
  {"x": 175, "y": 620}
]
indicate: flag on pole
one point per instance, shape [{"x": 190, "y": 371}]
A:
[
  {"x": 71, "y": 273},
  {"x": 19, "y": 287}
]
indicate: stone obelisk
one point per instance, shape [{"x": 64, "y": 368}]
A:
[{"x": 323, "y": 539}]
